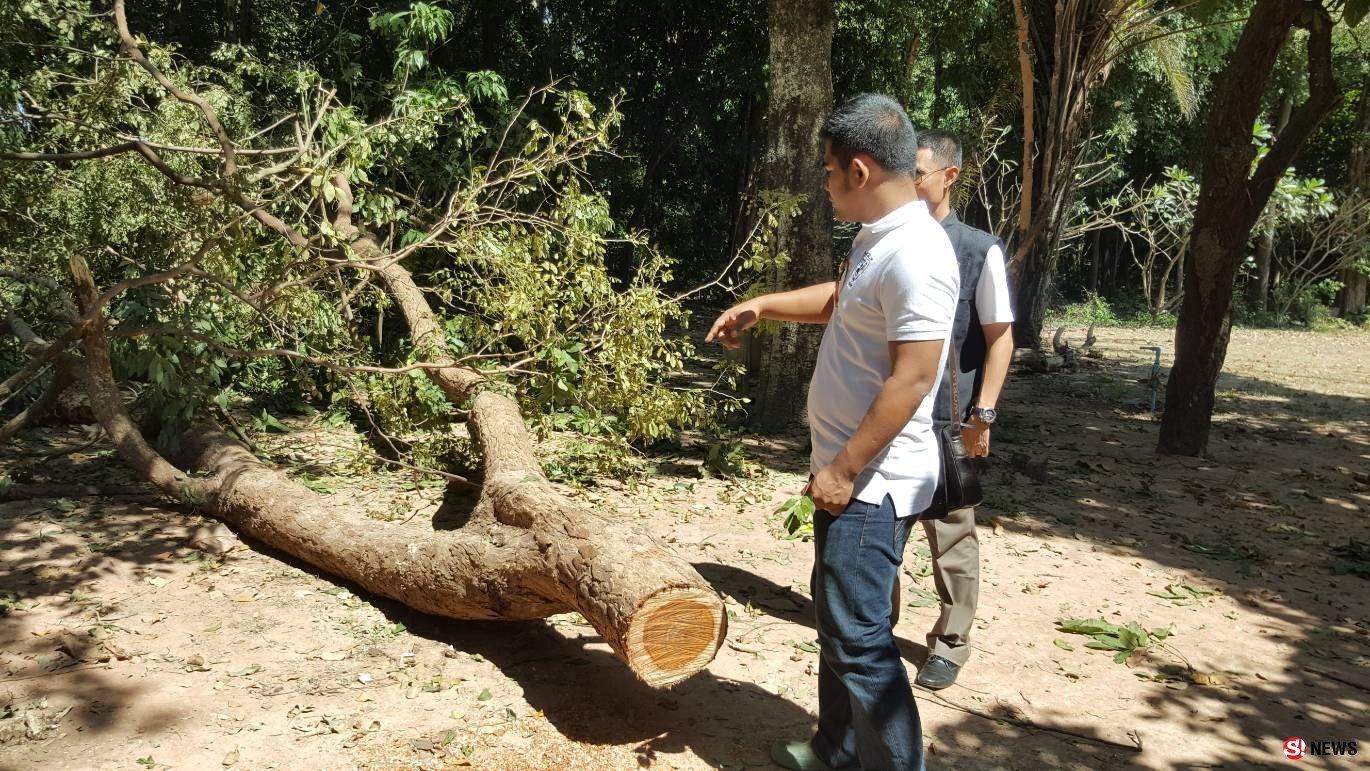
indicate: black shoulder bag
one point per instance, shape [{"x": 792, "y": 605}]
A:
[{"x": 959, "y": 486}]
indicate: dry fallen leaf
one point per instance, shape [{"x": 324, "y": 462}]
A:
[
  {"x": 116, "y": 651},
  {"x": 231, "y": 758},
  {"x": 1215, "y": 679},
  {"x": 78, "y": 648}
]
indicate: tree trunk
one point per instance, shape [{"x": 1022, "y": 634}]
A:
[
  {"x": 1351, "y": 298},
  {"x": 1073, "y": 40},
  {"x": 1095, "y": 241},
  {"x": 65, "y": 371},
  {"x": 748, "y": 130},
  {"x": 938, "y": 71},
  {"x": 1231, "y": 198},
  {"x": 1029, "y": 105},
  {"x": 1358, "y": 167},
  {"x": 800, "y": 99},
  {"x": 649, "y": 605},
  {"x": 1259, "y": 296},
  {"x": 525, "y": 551}
]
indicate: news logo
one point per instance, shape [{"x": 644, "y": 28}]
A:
[{"x": 1296, "y": 748}]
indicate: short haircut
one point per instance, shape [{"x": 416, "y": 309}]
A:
[
  {"x": 877, "y": 126},
  {"x": 945, "y": 147}
]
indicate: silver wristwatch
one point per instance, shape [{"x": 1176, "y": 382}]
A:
[{"x": 987, "y": 415}]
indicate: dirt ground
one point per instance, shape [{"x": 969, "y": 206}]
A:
[{"x": 125, "y": 643}]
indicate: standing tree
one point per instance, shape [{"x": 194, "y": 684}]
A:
[
  {"x": 1351, "y": 298},
  {"x": 1074, "y": 46},
  {"x": 1232, "y": 196},
  {"x": 800, "y": 98}
]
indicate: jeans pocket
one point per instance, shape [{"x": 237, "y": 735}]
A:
[{"x": 903, "y": 526}]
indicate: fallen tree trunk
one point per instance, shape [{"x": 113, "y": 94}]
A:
[
  {"x": 65, "y": 372},
  {"x": 649, "y": 605},
  {"x": 527, "y": 551}
]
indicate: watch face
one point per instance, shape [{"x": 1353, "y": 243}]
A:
[{"x": 988, "y": 415}]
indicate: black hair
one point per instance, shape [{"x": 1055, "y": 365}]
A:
[
  {"x": 877, "y": 126},
  {"x": 945, "y": 147}
]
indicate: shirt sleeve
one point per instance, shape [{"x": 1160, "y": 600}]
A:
[
  {"x": 993, "y": 302},
  {"x": 918, "y": 296}
]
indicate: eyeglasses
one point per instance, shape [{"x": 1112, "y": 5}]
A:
[{"x": 919, "y": 175}]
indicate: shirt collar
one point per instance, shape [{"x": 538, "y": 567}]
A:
[{"x": 901, "y": 216}]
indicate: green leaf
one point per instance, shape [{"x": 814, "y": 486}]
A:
[
  {"x": 1063, "y": 645},
  {"x": 268, "y": 422},
  {"x": 922, "y": 598},
  {"x": 485, "y": 695},
  {"x": 1086, "y": 626}
]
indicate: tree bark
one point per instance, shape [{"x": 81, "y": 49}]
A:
[
  {"x": 1073, "y": 40},
  {"x": 1259, "y": 296},
  {"x": 1230, "y": 200},
  {"x": 64, "y": 372},
  {"x": 800, "y": 99},
  {"x": 649, "y": 605},
  {"x": 1029, "y": 144},
  {"x": 1352, "y": 297}
]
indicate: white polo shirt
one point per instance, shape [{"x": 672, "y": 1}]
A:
[{"x": 901, "y": 284}]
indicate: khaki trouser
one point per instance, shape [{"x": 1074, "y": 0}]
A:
[{"x": 955, "y": 549}]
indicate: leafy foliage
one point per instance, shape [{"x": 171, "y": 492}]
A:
[
  {"x": 489, "y": 202},
  {"x": 798, "y": 511},
  {"x": 1123, "y": 640}
]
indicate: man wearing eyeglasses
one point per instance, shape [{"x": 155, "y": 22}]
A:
[{"x": 984, "y": 348}]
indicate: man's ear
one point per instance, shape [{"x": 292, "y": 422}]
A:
[
  {"x": 953, "y": 173},
  {"x": 860, "y": 171}
]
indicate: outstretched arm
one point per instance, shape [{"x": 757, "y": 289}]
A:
[{"x": 810, "y": 305}]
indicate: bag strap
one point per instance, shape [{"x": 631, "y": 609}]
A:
[{"x": 955, "y": 392}]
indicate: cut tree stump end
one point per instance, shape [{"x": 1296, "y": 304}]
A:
[{"x": 674, "y": 634}]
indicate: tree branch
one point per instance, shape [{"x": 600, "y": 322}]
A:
[
  {"x": 108, "y": 404},
  {"x": 131, "y": 49},
  {"x": 1323, "y": 97},
  {"x": 79, "y": 155}
]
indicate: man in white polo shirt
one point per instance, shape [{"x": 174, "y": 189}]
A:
[{"x": 875, "y": 460}]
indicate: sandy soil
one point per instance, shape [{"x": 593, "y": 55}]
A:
[{"x": 124, "y": 643}]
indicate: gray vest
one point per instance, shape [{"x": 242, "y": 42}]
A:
[{"x": 971, "y": 245}]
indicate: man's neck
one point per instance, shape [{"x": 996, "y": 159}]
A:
[
  {"x": 943, "y": 209},
  {"x": 887, "y": 197}
]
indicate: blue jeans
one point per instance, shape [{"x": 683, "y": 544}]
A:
[{"x": 866, "y": 713}]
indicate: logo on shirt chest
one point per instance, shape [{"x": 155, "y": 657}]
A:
[{"x": 856, "y": 272}]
